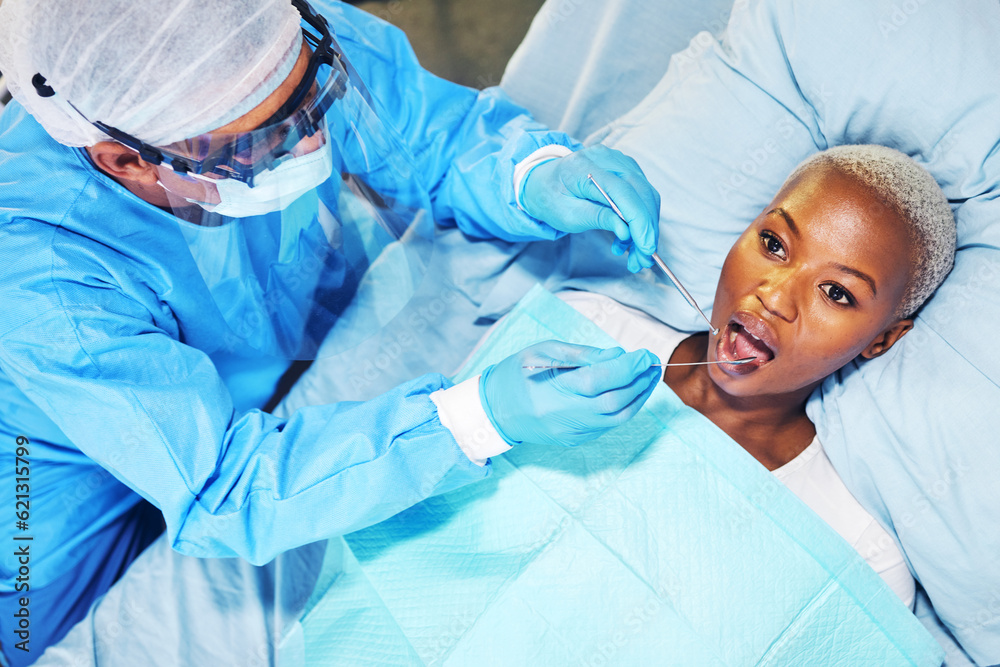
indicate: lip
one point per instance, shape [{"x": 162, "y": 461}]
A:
[
  {"x": 754, "y": 325},
  {"x": 758, "y": 327}
]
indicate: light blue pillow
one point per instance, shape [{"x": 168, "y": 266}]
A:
[
  {"x": 914, "y": 433},
  {"x": 584, "y": 63}
]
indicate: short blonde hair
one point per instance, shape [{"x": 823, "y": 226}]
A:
[{"x": 913, "y": 193}]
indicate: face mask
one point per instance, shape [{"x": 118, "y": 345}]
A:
[{"x": 273, "y": 190}]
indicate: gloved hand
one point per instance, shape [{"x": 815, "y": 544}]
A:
[
  {"x": 566, "y": 407},
  {"x": 559, "y": 194}
]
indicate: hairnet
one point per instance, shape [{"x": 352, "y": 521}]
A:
[{"x": 161, "y": 71}]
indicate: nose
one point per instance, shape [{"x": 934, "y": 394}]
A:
[
  {"x": 776, "y": 293},
  {"x": 309, "y": 145}
]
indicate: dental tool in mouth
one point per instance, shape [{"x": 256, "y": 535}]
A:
[
  {"x": 740, "y": 342},
  {"x": 569, "y": 367},
  {"x": 659, "y": 262}
]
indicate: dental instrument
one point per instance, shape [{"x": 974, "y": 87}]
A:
[
  {"x": 567, "y": 367},
  {"x": 659, "y": 262}
]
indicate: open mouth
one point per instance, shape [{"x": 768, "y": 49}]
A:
[{"x": 736, "y": 342}]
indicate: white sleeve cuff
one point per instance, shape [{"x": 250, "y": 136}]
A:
[
  {"x": 461, "y": 412},
  {"x": 543, "y": 154}
]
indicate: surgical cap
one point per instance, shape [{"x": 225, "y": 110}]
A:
[{"x": 161, "y": 71}]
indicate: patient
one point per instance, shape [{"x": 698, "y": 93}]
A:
[{"x": 833, "y": 269}]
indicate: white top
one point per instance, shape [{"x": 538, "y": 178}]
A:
[{"x": 810, "y": 475}]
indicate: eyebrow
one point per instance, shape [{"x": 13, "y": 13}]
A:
[
  {"x": 788, "y": 219},
  {"x": 858, "y": 274},
  {"x": 841, "y": 267}
]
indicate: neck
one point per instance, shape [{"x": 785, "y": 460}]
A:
[{"x": 773, "y": 427}]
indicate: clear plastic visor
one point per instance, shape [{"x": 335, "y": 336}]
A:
[
  {"x": 244, "y": 155},
  {"x": 336, "y": 234}
]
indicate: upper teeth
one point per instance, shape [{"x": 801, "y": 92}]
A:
[{"x": 751, "y": 335}]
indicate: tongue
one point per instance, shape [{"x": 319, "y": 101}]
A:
[{"x": 748, "y": 346}]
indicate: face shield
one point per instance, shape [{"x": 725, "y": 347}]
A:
[{"x": 286, "y": 222}]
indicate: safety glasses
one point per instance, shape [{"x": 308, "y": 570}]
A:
[{"x": 242, "y": 156}]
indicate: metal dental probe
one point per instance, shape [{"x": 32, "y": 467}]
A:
[
  {"x": 569, "y": 367},
  {"x": 659, "y": 262}
]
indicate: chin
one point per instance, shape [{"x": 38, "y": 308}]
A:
[{"x": 737, "y": 382}]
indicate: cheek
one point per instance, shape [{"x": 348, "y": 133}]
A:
[
  {"x": 191, "y": 189},
  {"x": 738, "y": 271},
  {"x": 831, "y": 340}
]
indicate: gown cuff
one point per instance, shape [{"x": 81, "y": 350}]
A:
[
  {"x": 543, "y": 154},
  {"x": 463, "y": 415}
]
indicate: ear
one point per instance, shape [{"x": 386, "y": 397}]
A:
[
  {"x": 122, "y": 164},
  {"x": 887, "y": 339}
]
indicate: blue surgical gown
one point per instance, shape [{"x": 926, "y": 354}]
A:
[{"x": 136, "y": 408}]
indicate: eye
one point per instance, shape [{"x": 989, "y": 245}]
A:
[
  {"x": 281, "y": 134},
  {"x": 772, "y": 244},
  {"x": 837, "y": 294}
]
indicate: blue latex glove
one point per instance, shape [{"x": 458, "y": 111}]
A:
[
  {"x": 559, "y": 194},
  {"x": 566, "y": 407}
]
